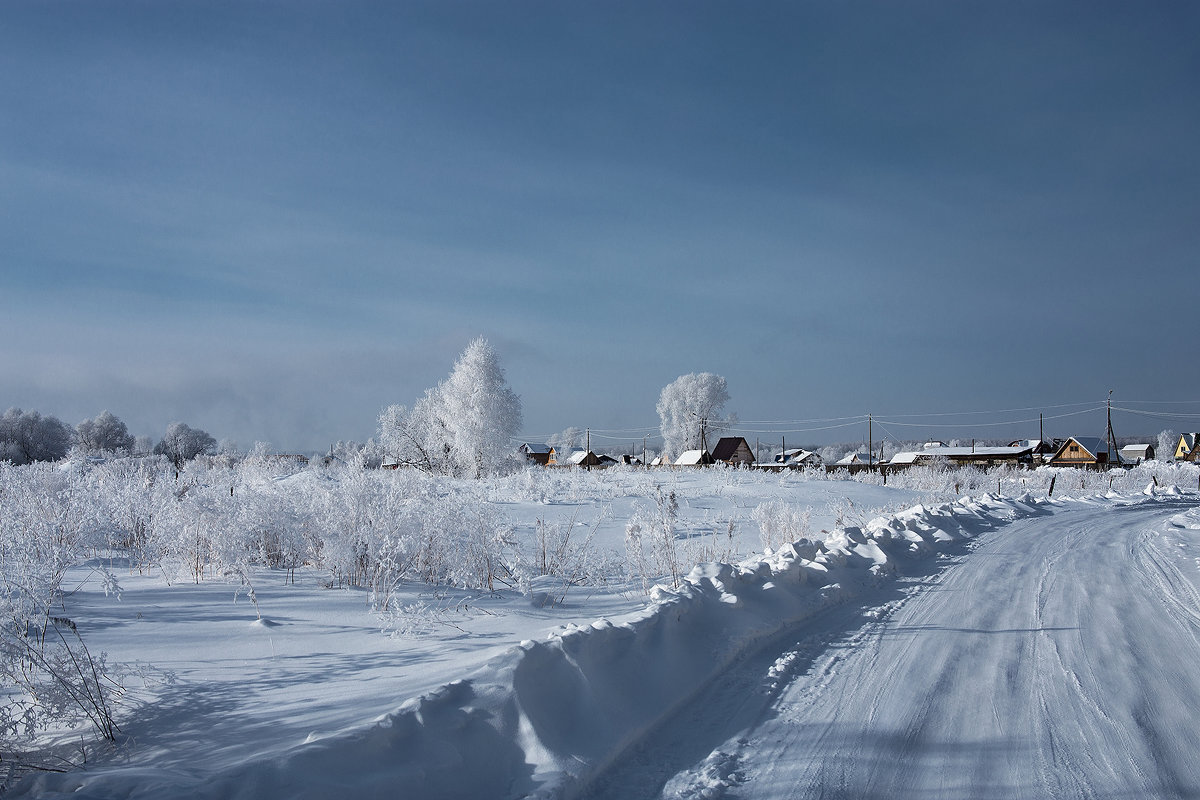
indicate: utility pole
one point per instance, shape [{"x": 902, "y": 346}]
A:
[
  {"x": 1041, "y": 435},
  {"x": 1113, "y": 453},
  {"x": 587, "y": 459},
  {"x": 870, "y": 444}
]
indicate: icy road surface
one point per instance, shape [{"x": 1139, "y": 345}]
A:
[{"x": 1060, "y": 658}]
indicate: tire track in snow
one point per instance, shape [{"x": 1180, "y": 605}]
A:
[{"x": 1058, "y": 648}]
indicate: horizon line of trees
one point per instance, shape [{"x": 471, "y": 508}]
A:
[
  {"x": 28, "y": 436},
  {"x": 466, "y": 426}
]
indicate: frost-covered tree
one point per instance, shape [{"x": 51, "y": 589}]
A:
[
  {"x": 182, "y": 443},
  {"x": 27, "y": 436},
  {"x": 104, "y": 434},
  {"x": 567, "y": 440},
  {"x": 1164, "y": 449},
  {"x": 483, "y": 413},
  {"x": 690, "y": 411},
  {"x": 464, "y": 426}
]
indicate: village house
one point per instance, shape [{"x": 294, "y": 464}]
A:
[
  {"x": 582, "y": 458},
  {"x": 1086, "y": 451},
  {"x": 1188, "y": 448},
  {"x": 797, "y": 458},
  {"x": 963, "y": 456},
  {"x": 537, "y": 453},
  {"x": 733, "y": 450}
]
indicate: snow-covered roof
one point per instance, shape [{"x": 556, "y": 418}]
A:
[
  {"x": 961, "y": 452},
  {"x": 690, "y": 458},
  {"x": 541, "y": 449},
  {"x": 796, "y": 455},
  {"x": 727, "y": 447},
  {"x": 1133, "y": 452},
  {"x": 1093, "y": 444},
  {"x": 579, "y": 456},
  {"x": 904, "y": 458},
  {"x": 855, "y": 458}
]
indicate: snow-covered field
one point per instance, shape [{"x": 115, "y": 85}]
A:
[{"x": 911, "y": 608}]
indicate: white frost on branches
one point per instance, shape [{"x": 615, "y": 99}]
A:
[
  {"x": 464, "y": 426},
  {"x": 690, "y": 410}
]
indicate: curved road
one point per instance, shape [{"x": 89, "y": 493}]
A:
[{"x": 1060, "y": 658}]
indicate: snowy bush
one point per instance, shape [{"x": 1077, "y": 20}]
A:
[
  {"x": 50, "y": 676},
  {"x": 780, "y": 523}
]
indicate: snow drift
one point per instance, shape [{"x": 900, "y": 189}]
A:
[{"x": 545, "y": 717}]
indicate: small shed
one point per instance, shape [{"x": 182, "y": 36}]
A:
[
  {"x": 1137, "y": 453},
  {"x": 694, "y": 458},
  {"x": 733, "y": 450}
]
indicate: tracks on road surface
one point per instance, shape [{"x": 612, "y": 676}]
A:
[{"x": 1056, "y": 657}]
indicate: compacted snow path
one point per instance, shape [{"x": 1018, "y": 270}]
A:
[{"x": 1059, "y": 659}]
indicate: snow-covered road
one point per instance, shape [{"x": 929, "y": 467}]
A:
[{"x": 1059, "y": 658}]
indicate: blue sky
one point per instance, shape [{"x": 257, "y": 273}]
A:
[{"x": 270, "y": 220}]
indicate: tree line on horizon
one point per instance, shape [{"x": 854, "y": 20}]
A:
[{"x": 465, "y": 426}]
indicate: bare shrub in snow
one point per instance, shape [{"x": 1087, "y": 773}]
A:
[
  {"x": 780, "y": 523},
  {"x": 50, "y": 676},
  {"x": 650, "y": 540}
]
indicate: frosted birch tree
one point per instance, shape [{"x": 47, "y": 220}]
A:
[
  {"x": 462, "y": 427},
  {"x": 690, "y": 411}
]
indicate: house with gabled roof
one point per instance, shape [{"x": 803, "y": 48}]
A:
[
  {"x": 963, "y": 456},
  {"x": 1083, "y": 451},
  {"x": 797, "y": 458},
  {"x": 1188, "y": 448},
  {"x": 583, "y": 458},
  {"x": 733, "y": 450},
  {"x": 537, "y": 453}
]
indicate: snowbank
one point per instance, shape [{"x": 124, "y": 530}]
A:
[{"x": 543, "y": 717}]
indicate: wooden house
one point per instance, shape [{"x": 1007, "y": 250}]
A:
[
  {"x": 1021, "y": 455},
  {"x": 1086, "y": 451},
  {"x": 583, "y": 458},
  {"x": 1188, "y": 448},
  {"x": 537, "y": 453},
  {"x": 733, "y": 450},
  {"x": 797, "y": 458}
]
